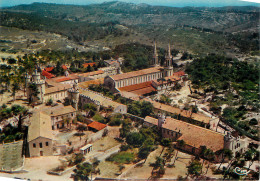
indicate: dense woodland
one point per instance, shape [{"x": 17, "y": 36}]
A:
[{"x": 230, "y": 82}]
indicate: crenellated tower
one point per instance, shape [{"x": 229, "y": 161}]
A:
[
  {"x": 35, "y": 87},
  {"x": 73, "y": 95}
]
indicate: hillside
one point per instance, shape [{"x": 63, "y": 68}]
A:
[{"x": 199, "y": 30}]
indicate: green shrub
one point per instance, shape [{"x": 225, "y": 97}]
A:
[
  {"x": 98, "y": 117},
  {"x": 115, "y": 122},
  {"x": 253, "y": 121},
  {"x": 121, "y": 157}
]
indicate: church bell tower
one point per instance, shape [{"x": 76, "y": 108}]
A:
[
  {"x": 155, "y": 56},
  {"x": 168, "y": 68}
]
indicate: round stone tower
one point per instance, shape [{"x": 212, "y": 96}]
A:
[
  {"x": 38, "y": 85},
  {"x": 74, "y": 95}
]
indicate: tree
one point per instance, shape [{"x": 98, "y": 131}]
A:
[
  {"x": 22, "y": 112},
  {"x": 15, "y": 87},
  {"x": 135, "y": 139},
  {"x": 251, "y": 155},
  {"x": 224, "y": 153},
  {"x": 159, "y": 163},
  {"x": 253, "y": 121},
  {"x": 165, "y": 99},
  {"x": 194, "y": 168},
  {"x": 89, "y": 69},
  {"x": 126, "y": 127},
  {"x": 82, "y": 171}
]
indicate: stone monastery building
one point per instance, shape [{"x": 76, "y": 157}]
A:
[{"x": 136, "y": 77}]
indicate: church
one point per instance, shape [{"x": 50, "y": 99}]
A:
[{"x": 114, "y": 82}]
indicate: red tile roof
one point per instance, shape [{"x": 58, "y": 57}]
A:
[
  {"x": 63, "y": 79},
  {"x": 179, "y": 74},
  {"x": 194, "y": 135},
  {"x": 48, "y": 69},
  {"x": 97, "y": 125},
  {"x": 140, "y": 89},
  {"x": 91, "y": 73},
  {"x": 64, "y": 67},
  {"x": 85, "y": 65},
  {"x": 47, "y": 74}
]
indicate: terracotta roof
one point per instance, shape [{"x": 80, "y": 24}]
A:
[
  {"x": 184, "y": 113},
  {"x": 151, "y": 120},
  {"x": 47, "y": 74},
  {"x": 85, "y": 65},
  {"x": 91, "y": 73},
  {"x": 40, "y": 126},
  {"x": 144, "y": 91},
  {"x": 64, "y": 78},
  {"x": 195, "y": 136},
  {"x": 87, "y": 83},
  {"x": 48, "y": 69},
  {"x": 173, "y": 78},
  {"x": 97, "y": 125},
  {"x": 64, "y": 67},
  {"x": 140, "y": 89},
  {"x": 136, "y": 73},
  {"x": 59, "y": 110},
  {"x": 57, "y": 88},
  {"x": 179, "y": 74}
]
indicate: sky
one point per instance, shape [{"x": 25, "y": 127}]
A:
[{"x": 173, "y": 3}]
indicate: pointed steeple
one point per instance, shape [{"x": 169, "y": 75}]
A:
[
  {"x": 155, "y": 56},
  {"x": 168, "y": 57},
  {"x": 169, "y": 50}
]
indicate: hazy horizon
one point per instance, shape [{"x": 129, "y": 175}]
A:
[{"x": 172, "y": 3}]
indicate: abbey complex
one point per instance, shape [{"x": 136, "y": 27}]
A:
[{"x": 97, "y": 92}]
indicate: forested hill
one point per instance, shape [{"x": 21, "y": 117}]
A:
[
  {"x": 220, "y": 19},
  {"x": 196, "y": 29}
]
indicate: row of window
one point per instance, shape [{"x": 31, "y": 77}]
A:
[
  {"x": 56, "y": 95},
  {"x": 168, "y": 132},
  {"x": 237, "y": 145},
  {"x": 62, "y": 117},
  {"x": 40, "y": 144},
  {"x": 137, "y": 80}
]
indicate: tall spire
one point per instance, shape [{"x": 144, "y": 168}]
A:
[
  {"x": 168, "y": 57},
  {"x": 155, "y": 56},
  {"x": 169, "y": 50}
]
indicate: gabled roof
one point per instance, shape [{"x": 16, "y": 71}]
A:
[
  {"x": 64, "y": 67},
  {"x": 151, "y": 120},
  {"x": 47, "y": 74},
  {"x": 136, "y": 73},
  {"x": 65, "y": 78},
  {"x": 89, "y": 82},
  {"x": 40, "y": 126},
  {"x": 85, "y": 65},
  {"x": 91, "y": 73},
  {"x": 97, "y": 125},
  {"x": 59, "y": 110},
  {"x": 140, "y": 89},
  {"x": 179, "y": 74},
  {"x": 195, "y": 136},
  {"x": 196, "y": 116},
  {"x": 49, "y": 69}
]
